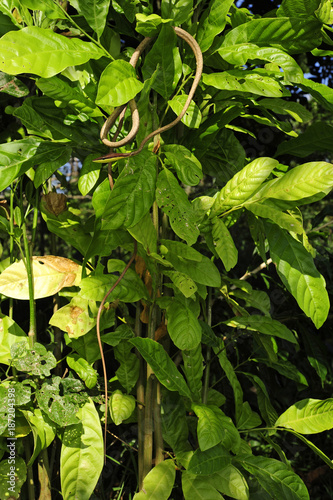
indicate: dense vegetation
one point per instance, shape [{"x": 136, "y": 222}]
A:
[{"x": 179, "y": 294}]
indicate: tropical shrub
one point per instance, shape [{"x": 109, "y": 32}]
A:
[{"x": 198, "y": 362}]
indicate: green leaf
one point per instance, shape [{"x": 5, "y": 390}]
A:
[
  {"x": 56, "y": 52},
  {"x": 231, "y": 482},
  {"x": 308, "y": 416},
  {"x": 214, "y": 428},
  {"x": 266, "y": 409},
  {"x": 50, "y": 9},
  {"x": 243, "y": 185},
  {"x": 158, "y": 483},
  {"x": 242, "y": 81},
  {"x": 58, "y": 155},
  {"x": 297, "y": 271},
  {"x": 35, "y": 361},
  {"x": 75, "y": 318},
  {"x": 162, "y": 365},
  {"x": 292, "y": 35},
  {"x": 128, "y": 372},
  {"x": 240, "y": 54},
  {"x": 297, "y": 8},
  {"x": 267, "y": 211},
  {"x": 192, "y": 263},
  {"x": 262, "y": 324},
  {"x": 12, "y": 86},
  {"x": 61, "y": 90},
  {"x": 89, "y": 175},
  {"x": 300, "y": 182},
  {"x": 164, "y": 55},
  {"x": 43, "y": 430},
  {"x": 130, "y": 289},
  {"x": 317, "y": 137},
  {"x": 212, "y": 22},
  {"x": 316, "y": 354},
  {"x": 192, "y": 117},
  {"x": 282, "y": 107},
  {"x": 198, "y": 488},
  {"x": 121, "y": 406},
  {"x": 321, "y": 92},
  {"x": 84, "y": 369},
  {"x": 50, "y": 273},
  {"x": 13, "y": 159},
  {"x": 275, "y": 477},
  {"x": 183, "y": 326},
  {"x": 95, "y": 13},
  {"x": 6, "y": 474},
  {"x": 123, "y": 332},
  {"x": 81, "y": 460},
  {"x": 144, "y": 232},
  {"x": 174, "y": 422},
  {"x": 193, "y": 370},
  {"x": 183, "y": 282},
  {"x": 174, "y": 202},
  {"x": 10, "y": 333},
  {"x": 287, "y": 369},
  {"x": 188, "y": 168},
  {"x": 224, "y": 244},
  {"x": 133, "y": 193},
  {"x": 209, "y": 461},
  {"x": 148, "y": 25},
  {"x": 248, "y": 419},
  {"x": 118, "y": 84},
  {"x": 177, "y": 10}
]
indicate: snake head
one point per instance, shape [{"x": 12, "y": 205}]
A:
[{"x": 111, "y": 157}]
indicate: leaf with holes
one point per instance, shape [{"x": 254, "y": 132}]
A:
[
  {"x": 183, "y": 282},
  {"x": 174, "y": 202},
  {"x": 35, "y": 361}
]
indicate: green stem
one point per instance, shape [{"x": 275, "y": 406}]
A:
[
  {"x": 32, "y": 306},
  {"x": 209, "y": 350}
]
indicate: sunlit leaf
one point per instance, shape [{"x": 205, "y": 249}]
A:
[
  {"x": 121, "y": 406},
  {"x": 308, "y": 416},
  {"x": 158, "y": 483}
]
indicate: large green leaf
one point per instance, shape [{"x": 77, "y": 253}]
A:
[
  {"x": 95, "y": 13},
  {"x": 164, "y": 55},
  {"x": 133, "y": 193},
  {"x": 56, "y": 52},
  {"x": 297, "y": 8},
  {"x": 214, "y": 428},
  {"x": 118, "y": 84},
  {"x": 282, "y": 107},
  {"x": 174, "y": 202},
  {"x": 241, "y": 53},
  {"x": 224, "y": 244},
  {"x": 187, "y": 166},
  {"x": 300, "y": 182},
  {"x": 158, "y": 483},
  {"x": 192, "y": 117},
  {"x": 57, "y": 156},
  {"x": 242, "y": 81},
  {"x": 262, "y": 324},
  {"x": 6, "y": 474},
  {"x": 296, "y": 269},
  {"x": 75, "y": 318},
  {"x": 321, "y": 92},
  {"x": 81, "y": 460},
  {"x": 198, "y": 488},
  {"x": 308, "y": 416},
  {"x": 209, "y": 461},
  {"x": 50, "y": 274},
  {"x": 183, "y": 326},
  {"x": 212, "y": 22},
  {"x": 293, "y": 35},
  {"x": 275, "y": 477},
  {"x": 164, "y": 368},
  {"x": 189, "y": 261},
  {"x": 183, "y": 282},
  {"x": 243, "y": 184},
  {"x": 84, "y": 369}
]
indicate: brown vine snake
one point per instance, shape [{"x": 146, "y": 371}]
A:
[{"x": 111, "y": 157}]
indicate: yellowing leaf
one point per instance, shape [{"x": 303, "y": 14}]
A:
[{"x": 50, "y": 273}]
